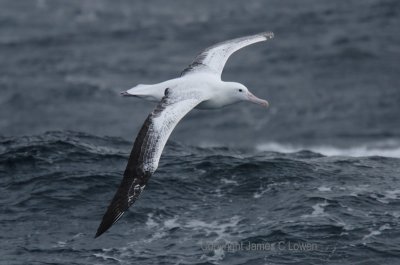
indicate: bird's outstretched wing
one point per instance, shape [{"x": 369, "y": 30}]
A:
[
  {"x": 146, "y": 152},
  {"x": 214, "y": 58}
]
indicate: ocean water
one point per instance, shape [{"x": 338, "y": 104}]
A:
[{"x": 312, "y": 180}]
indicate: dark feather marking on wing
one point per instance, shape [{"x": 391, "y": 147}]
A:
[
  {"x": 192, "y": 66},
  {"x": 198, "y": 62},
  {"x": 199, "y": 59},
  {"x": 135, "y": 176}
]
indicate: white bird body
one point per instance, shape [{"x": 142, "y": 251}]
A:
[
  {"x": 199, "y": 86},
  {"x": 217, "y": 90}
]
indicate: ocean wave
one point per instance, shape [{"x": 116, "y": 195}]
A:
[
  {"x": 199, "y": 196},
  {"x": 58, "y": 144},
  {"x": 384, "y": 149}
]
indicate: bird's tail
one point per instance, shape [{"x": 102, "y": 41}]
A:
[{"x": 147, "y": 92}]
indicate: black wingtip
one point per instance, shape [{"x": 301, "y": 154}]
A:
[
  {"x": 103, "y": 227},
  {"x": 110, "y": 218},
  {"x": 99, "y": 232}
]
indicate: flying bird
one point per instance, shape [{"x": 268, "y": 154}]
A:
[{"x": 199, "y": 86}]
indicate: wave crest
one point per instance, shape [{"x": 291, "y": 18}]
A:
[{"x": 384, "y": 149}]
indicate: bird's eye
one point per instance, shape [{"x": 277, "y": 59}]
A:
[{"x": 240, "y": 90}]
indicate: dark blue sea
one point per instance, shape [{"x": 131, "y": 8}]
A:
[{"x": 314, "y": 179}]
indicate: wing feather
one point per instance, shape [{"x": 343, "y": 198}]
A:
[
  {"x": 146, "y": 153},
  {"x": 213, "y": 59}
]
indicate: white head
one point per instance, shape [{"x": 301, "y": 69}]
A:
[{"x": 238, "y": 92}]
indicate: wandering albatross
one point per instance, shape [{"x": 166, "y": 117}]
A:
[{"x": 199, "y": 86}]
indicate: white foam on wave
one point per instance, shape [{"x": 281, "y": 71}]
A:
[
  {"x": 229, "y": 182},
  {"x": 376, "y": 232},
  {"x": 150, "y": 221},
  {"x": 220, "y": 229},
  {"x": 324, "y": 189},
  {"x": 388, "y": 196},
  {"x": 217, "y": 233},
  {"x": 217, "y": 256},
  {"x": 318, "y": 210},
  {"x": 386, "y": 149},
  {"x": 258, "y": 194}
]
